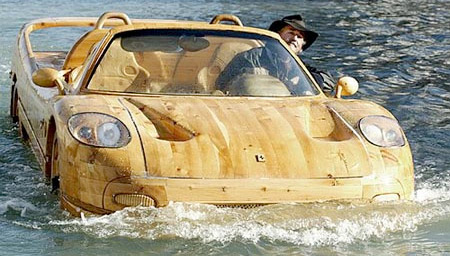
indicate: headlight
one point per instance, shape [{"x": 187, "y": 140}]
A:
[
  {"x": 382, "y": 131},
  {"x": 99, "y": 130}
]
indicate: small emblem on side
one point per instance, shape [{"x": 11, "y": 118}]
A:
[{"x": 260, "y": 158}]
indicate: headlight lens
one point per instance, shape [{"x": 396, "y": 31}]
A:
[
  {"x": 382, "y": 131},
  {"x": 100, "y": 130}
]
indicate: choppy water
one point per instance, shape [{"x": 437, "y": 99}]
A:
[{"x": 398, "y": 50}]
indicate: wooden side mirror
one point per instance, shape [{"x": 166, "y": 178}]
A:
[
  {"x": 49, "y": 77},
  {"x": 346, "y": 86}
]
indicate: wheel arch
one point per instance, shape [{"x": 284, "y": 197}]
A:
[
  {"x": 14, "y": 98},
  {"x": 51, "y": 136}
]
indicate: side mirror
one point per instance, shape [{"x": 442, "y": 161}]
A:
[
  {"x": 49, "y": 77},
  {"x": 346, "y": 86}
]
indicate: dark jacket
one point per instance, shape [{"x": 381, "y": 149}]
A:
[{"x": 324, "y": 79}]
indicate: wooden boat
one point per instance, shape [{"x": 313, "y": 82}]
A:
[{"x": 132, "y": 115}]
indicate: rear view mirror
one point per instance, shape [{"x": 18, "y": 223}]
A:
[
  {"x": 193, "y": 43},
  {"x": 346, "y": 86},
  {"x": 151, "y": 43}
]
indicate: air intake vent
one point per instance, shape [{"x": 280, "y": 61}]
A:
[{"x": 134, "y": 200}]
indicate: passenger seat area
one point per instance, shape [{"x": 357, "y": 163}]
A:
[{"x": 187, "y": 70}]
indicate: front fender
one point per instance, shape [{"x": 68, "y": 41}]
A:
[
  {"x": 387, "y": 162},
  {"x": 86, "y": 171}
]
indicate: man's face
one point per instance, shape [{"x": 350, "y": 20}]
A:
[{"x": 293, "y": 37}]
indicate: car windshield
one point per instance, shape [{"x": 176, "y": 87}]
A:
[{"x": 199, "y": 62}]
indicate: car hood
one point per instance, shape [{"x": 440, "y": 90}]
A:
[{"x": 209, "y": 137}]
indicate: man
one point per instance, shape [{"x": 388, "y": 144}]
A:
[
  {"x": 292, "y": 29},
  {"x": 275, "y": 61}
]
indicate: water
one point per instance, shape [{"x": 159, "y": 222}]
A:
[{"x": 398, "y": 50}]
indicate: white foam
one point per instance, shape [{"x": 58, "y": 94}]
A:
[
  {"x": 433, "y": 191},
  {"x": 428, "y": 194},
  {"x": 304, "y": 224},
  {"x": 314, "y": 224},
  {"x": 16, "y": 204}
]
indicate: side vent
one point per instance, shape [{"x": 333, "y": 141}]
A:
[{"x": 134, "y": 200}]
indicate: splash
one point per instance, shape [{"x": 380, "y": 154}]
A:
[
  {"x": 18, "y": 205},
  {"x": 316, "y": 224},
  {"x": 313, "y": 224}
]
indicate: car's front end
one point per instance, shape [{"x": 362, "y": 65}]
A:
[{"x": 128, "y": 151}]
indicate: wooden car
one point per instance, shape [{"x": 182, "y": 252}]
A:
[{"x": 133, "y": 115}]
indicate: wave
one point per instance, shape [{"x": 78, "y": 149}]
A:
[
  {"x": 308, "y": 224},
  {"x": 18, "y": 205},
  {"x": 313, "y": 224}
]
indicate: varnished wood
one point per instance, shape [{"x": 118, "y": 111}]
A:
[
  {"x": 226, "y": 17},
  {"x": 203, "y": 148}
]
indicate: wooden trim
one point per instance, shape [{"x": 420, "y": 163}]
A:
[
  {"x": 76, "y": 207},
  {"x": 37, "y": 150}
]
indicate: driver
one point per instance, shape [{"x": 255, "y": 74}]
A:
[
  {"x": 271, "y": 61},
  {"x": 292, "y": 29}
]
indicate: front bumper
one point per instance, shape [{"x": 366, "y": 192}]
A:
[{"x": 158, "y": 192}]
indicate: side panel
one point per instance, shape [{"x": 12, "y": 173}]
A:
[{"x": 33, "y": 103}]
